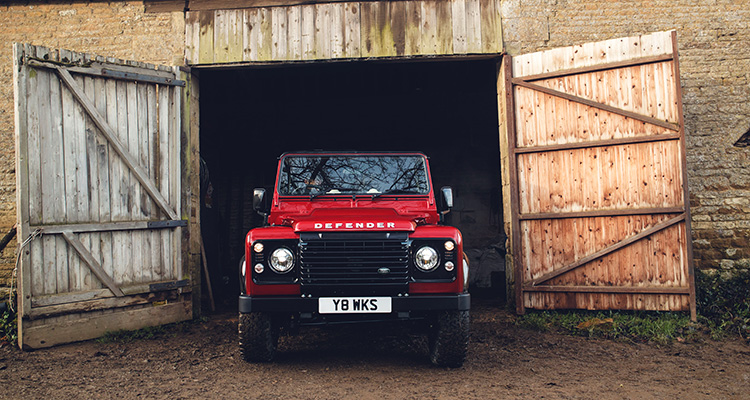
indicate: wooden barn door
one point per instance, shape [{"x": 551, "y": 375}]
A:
[
  {"x": 98, "y": 187},
  {"x": 596, "y": 145}
]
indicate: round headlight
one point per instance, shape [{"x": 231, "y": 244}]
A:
[
  {"x": 426, "y": 258},
  {"x": 282, "y": 260}
]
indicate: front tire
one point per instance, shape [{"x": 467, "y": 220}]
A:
[
  {"x": 259, "y": 336},
  {"x": 449, "y": 339}
]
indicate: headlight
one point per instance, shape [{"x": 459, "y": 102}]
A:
[
  {"x": 426, "y": 258},
  {"x": 282, "y": 260}
]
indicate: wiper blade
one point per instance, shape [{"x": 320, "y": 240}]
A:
[
  {"x": 330, "y": 190},
  {"x": 393, "y": 191},
  {"x": 314, "y": 195}
]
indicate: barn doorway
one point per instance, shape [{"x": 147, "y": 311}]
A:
[{"x": 446, "y": 109}]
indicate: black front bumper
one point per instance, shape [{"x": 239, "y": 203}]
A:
[{"x": 416, "y": 303}]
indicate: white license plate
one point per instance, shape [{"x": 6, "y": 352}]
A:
[{"x": 354, "y": 305}]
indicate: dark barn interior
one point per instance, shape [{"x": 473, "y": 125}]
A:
[{"x": 446, "y": 109}]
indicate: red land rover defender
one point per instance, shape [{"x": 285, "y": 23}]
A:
[{"x": 354, "y": 237}]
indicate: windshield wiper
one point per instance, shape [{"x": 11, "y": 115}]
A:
[
  {"x": 330, "y": 190},
  {"x": 394, "y": 191}
]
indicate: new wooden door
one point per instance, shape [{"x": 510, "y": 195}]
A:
[{"x": 596, "y": 176}]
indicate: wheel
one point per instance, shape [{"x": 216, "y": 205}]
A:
[
  {"x": 259, "y": 336},
  {"x": 449, "y": 339}
]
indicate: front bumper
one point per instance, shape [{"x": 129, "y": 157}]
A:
[{"x": 416, "y": 303}]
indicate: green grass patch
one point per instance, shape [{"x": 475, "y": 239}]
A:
[
  {"x": 656, "y": 327},
  {"x": 8, "y": 328},
  {"x": 723, "y": 305}
]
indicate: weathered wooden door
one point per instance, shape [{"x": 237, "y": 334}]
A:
[
  {"x": 98, "y": 185},
  {"x": 597, "y": 177}
]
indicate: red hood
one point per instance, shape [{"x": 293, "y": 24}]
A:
[{"x": 348, "y": 219}]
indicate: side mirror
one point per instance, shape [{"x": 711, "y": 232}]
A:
[
  {"x": 447, "y": 202},
  {"x": 447, "y": 198},
  {"x": 259, "y": 201}
]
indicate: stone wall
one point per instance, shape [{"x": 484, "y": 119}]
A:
[
  {"x": 714, "y": 49},
  {"x": 115, "y": 29}
]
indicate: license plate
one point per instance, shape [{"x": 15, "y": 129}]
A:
[{"x": 354, "y": 305}]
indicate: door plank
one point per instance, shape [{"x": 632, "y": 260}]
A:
[
  {"x": 71, "y": 124},
  {"x": 91, "y": 86},
  {"x": 122, "y": 241},
  {"x": 143, "y": 201},
  {"x": 21, "y": 92},
  {"x": 142, "y": 288},
  {"x": 307, "y": 31},
  {"x": 352, "y": 31},
  {"x": 294, "y": 34},
  {"x": 165, "y": 182},
  {"x": 50, "y": 332},
  {"x": 175, "y": 170},
  {"x": 53, "y": 184}
]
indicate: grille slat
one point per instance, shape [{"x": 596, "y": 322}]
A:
[
  {"x": 336, "y": 263},
  {"x": 312, "y": 255},
  {"x": 352, "y": 262}
]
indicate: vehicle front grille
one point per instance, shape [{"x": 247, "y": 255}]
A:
[{"x": 354, "y": 263}]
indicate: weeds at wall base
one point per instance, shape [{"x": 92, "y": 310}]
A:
[
  {"x": 8, "y": 326},
  {"x": 723, "y": 304},
  {"x": 655, "y": 327}
]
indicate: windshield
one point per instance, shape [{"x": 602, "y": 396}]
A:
[{"x": 314, "y": 175}]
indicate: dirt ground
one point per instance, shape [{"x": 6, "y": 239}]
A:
[{"x": 201, "y": 360}]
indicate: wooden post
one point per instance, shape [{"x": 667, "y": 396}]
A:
[
  {"x": 686, "y": 195},
  {"x": 20, "y": 78},
  {"x": 506, "y": 98},
  {"x": 191, "y": 201}
]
